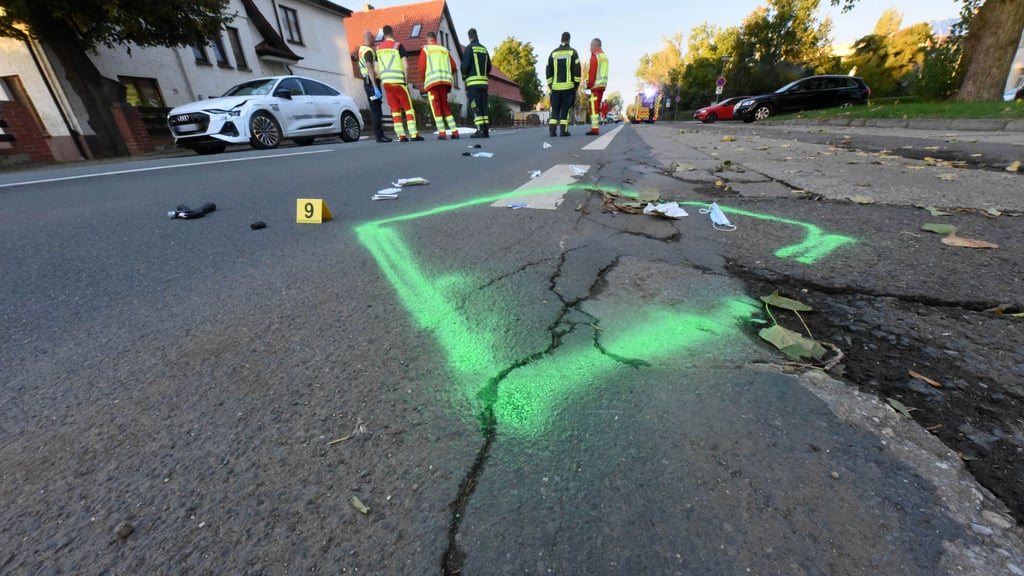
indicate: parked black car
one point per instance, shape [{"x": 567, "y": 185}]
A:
[{"x": 805, "y": 94}]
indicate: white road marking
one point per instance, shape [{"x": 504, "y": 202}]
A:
[
  {"x": 557, "y": 180},
  {"x": 603, "y": 142},
  {"x": 152, "y": 168}
]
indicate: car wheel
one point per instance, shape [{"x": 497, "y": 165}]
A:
[
  {"x": 762, "y": 112},
  {"x": 711, "y": 118},
  {"x": 303, "y": 141},
  {"x": 847, "y": 104},
  {"x": 265, "y": 131},
  {"x": 350, "y": 131},
  {"x": 214, "y": 148}
]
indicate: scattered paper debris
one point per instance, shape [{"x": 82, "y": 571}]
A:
[
  {"x": 718, "y": 219},
  {"x": 386, "y": 194},
  {"x": 546, "y": 145},
  {"x": 479, "y": 154},
  {"x": 668, "y": 210},
  {"x": 535, "y": 174},
  {"x": 578, "y": 172},
  {"x": 518, "y": 205},
  {"x": 406, "y": 182}
]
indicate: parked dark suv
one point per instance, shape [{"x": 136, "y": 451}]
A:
[{"x": 805, "y": 94}]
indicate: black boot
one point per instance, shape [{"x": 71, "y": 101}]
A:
[
  {"x": 551, "y": 130},
  {"x": 487, "y": 130},
  {"x": 564, "y": 130}
]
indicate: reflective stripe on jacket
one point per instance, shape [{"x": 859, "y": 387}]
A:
[
  {"x": 601, "y": 79},
  {"x": 476, "y": 65},
  {"x": 564, "y": 68},
  {"x": 390, "y": 69},
  {"x": 363, "y": 70},
  {"x": 439, "y": 66}
]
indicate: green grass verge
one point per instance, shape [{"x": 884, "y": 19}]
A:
[{"x": 894, "y": 108}]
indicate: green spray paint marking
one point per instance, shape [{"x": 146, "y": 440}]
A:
[{"x": 531, "y": 394}]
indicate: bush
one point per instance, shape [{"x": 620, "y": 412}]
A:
[
  {"x": 940, "y": 75},
  {"x": 498, "y": 111}
]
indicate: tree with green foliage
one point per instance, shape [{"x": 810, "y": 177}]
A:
[
  {"x": 994, "y": 30},
  {"x": 780, "y": 42},
  {"x": 889, "y": 58},
  {"x": 664, "y": 67},
  {"x": 519, "y": 62},
  {"x": 70, "y": 28}
]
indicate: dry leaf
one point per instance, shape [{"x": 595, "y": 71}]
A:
[
  {"x": 924, "y": 378},
  {"x": 358, "y": 505},
  {"x": 728, "y": 138},
  {"x": 948, "y": 176},
  {"x": 862, "y": 199},
  {"x": 1014, "y": 166},
  {"x": 954, "y": 240},
  {"x": 899, "y": 407}
]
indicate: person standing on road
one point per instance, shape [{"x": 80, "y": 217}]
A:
[
  {"x": 563, "y": 75},
  {"x": 597, "y": 81},
  {"x": 393, "y": 69},
  {"x": 476, "y": 65},
  {"x": 436, "y": 64},
  {"x": 371, "y": 85}
]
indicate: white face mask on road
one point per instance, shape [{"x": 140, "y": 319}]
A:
[{"x": 718, "y": 219}]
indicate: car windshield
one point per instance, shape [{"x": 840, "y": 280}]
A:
[
  {"x": 729, "y": 101},
  {"x": 787, "y": 87},
  {"x": 252, "y": 88}
]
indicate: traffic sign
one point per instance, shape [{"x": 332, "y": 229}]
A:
[
  {"x": 719, "y": 89},
  {"x": 720, "y": 82},
  {"x": 312, "y": 211}
]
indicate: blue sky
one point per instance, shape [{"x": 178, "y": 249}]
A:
[{"x": 627, "y": 34}]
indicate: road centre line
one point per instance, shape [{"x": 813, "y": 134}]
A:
[
  {"x": 604, "y": 141},
  {"x": 153, "y": 168},
  {"x": 558, "y": 178}
]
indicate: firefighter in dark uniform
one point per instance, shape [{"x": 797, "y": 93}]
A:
[
  {"x": 476, "y": 65},
  {"x": 564, "y": 75}
]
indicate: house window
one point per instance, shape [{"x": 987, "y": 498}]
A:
[
  {"x": 236, "y": 48},
  {"x": 142, "y": 92},
  {"x": 218, "y": 52},
  {"x": 199, "y": 51},
  {"x": 416, "y": 31},
  {"x": 290, "y": 21}
]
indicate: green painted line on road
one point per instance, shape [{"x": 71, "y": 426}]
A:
[{"x": 530, "y": 395}]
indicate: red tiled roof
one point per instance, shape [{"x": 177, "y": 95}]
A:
[
  {"x": 504, "y": 87},
  {"x": 402, "y": 19}
]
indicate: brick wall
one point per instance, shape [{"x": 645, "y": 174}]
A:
[
  {"x": 29, "y": 138},
  {"x": 133, "y": 129}
]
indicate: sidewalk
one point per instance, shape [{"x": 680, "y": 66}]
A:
[{"x": 972, "y": 124}]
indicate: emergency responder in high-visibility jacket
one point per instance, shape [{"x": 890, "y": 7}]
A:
[
  {"x": 476, "y": 65},
  {"x": 597, "y": 82},
  {"x": 371, "y": 84},
  {"x": 437, "y": 64},
  {"x": 564, "y": 75},
  {"x": 392, "y": 66}
]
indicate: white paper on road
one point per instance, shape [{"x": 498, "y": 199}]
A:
[
  {"x": 555, "y": 182},
  {"x": 546, "y": 145},
  {"x": 404, "y": 182},
  {"x": 578, "y": 171},
  {"x": 668, "y": 210}
]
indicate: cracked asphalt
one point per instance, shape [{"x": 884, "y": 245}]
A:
[{"x": 570, "y": 391}]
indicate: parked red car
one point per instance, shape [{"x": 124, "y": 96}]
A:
[{"x": 720, "y": 111}]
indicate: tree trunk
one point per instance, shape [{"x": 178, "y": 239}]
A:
[
  {"x": 97, "y": 93},
  {"x": 989, "y": 48}
]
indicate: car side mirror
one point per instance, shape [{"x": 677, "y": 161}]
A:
[{"x": 283, "y": 93}]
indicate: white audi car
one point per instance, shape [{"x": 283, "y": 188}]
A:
[{"x": 264, "y": 112}]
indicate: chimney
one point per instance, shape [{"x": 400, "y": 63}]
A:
[{"x": 367, "y": 7}]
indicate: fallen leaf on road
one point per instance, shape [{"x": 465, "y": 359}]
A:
[
  {"x": 936, "y": 212},
  {"x": 685, "y": 167},
  {"x": 944, "y": 229},
  {"x": 728, "y": 138},
  {"x": 948, "y": 176},
  {"x": 993, "y": 213},
  {"x": 785, "y": 303},
  {"x": 792, "y": 344},
  {"x": 861, "y": 199},
  {"x": 954, "y": 240},
  {"x": 649, "y": 195},
  {"x": 924, "y": 378},
  {"x": 358, "y": 505},
  {"x": 1014, "y": 166},
  {"x": 899, "y": 407}
]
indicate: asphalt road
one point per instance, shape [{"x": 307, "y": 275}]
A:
[{"x": 566, "y": 391}]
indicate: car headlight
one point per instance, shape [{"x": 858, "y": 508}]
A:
[
  {"x": 224, "y": 112},
  {"x": 745, "y": 103}
]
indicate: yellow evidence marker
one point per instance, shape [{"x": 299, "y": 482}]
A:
[{"x": 312, "y": 211}]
